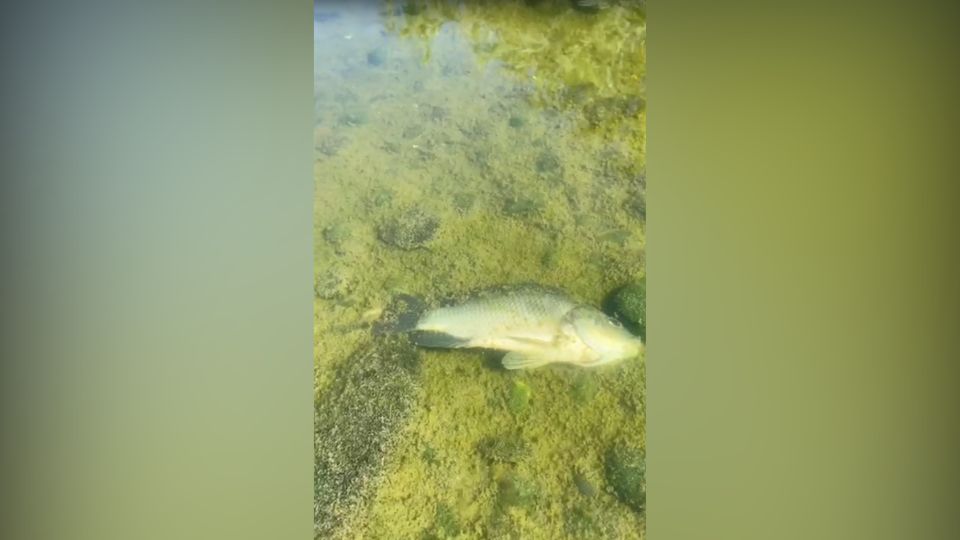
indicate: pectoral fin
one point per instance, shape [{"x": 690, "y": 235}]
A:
[{"x": 516, "y": 360}]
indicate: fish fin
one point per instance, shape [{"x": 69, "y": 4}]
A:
[
  {"x": 516, "y": 360},
  {"x": 438, "y": 340}
]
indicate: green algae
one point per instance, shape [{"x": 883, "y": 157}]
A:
[
  {"x": 435, "y": 133},
  {"x": 519, "y": 397}
]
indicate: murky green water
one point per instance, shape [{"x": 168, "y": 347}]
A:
[{"x": 460, "y": 147}]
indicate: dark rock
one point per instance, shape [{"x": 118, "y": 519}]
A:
[
  {"x": 411, "y": 230},
  {"x": 355, "y": 426},
  {"x": 625, "y": 470},
  {"x": 629, "y": 305}
]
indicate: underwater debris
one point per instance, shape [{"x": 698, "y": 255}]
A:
[
  {"x": 584, "y": 486},
  {"x": 355, "y": 426},
  {"x": 410, "y": 230},
  {"x": 522, "y": 206},
  {"x": 625, "y": 470}
]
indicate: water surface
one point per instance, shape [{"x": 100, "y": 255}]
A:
[{"x": 459, "y": 147}]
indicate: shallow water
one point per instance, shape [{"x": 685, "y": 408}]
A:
[{"x": 456, "y": 148}]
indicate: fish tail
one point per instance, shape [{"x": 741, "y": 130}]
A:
[{"x": 400, "y": 316}]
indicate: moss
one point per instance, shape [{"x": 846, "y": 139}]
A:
[
  {"x": 445, "y": 524},
  {"x": 516, "y": 491},
  {"x": 585, "y": 387},
  {"x": 518, "y": 398},
  {"x": 625, "y": 469},
  {"x": 584, "y": 486}
]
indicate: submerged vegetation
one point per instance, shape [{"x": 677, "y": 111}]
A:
[{"x": 461, "y": 146}]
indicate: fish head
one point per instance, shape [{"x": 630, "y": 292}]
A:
[{"x": 606, "y": 337}]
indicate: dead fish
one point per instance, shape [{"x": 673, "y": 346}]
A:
[{"x": 535, "y": 325}]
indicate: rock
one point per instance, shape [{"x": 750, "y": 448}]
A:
[
  {"x": 355, "y": 426},
  {"x": 629, "y": 305},
  {"x": 516, "y": 122},
  {"x": 625, "y": 470},
  {"x": 410, "y": 230}
]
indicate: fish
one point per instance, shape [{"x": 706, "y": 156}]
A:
[{"x": 534, "y": 325}]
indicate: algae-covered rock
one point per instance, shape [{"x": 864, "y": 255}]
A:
[
  {"x": 625, "y": 470},
  {"x": 504, "y": 449},
  {"x": 355, "y": 426},
  {"x": 329, "y": 284},
  {"x": 409, "y": 230},
  {"x": 629, "y": 304}
]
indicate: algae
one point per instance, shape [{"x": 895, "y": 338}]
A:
[{"x": 496, "y": 143}]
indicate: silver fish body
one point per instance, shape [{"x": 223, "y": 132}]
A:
[{"x": 535, "y": 326}]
